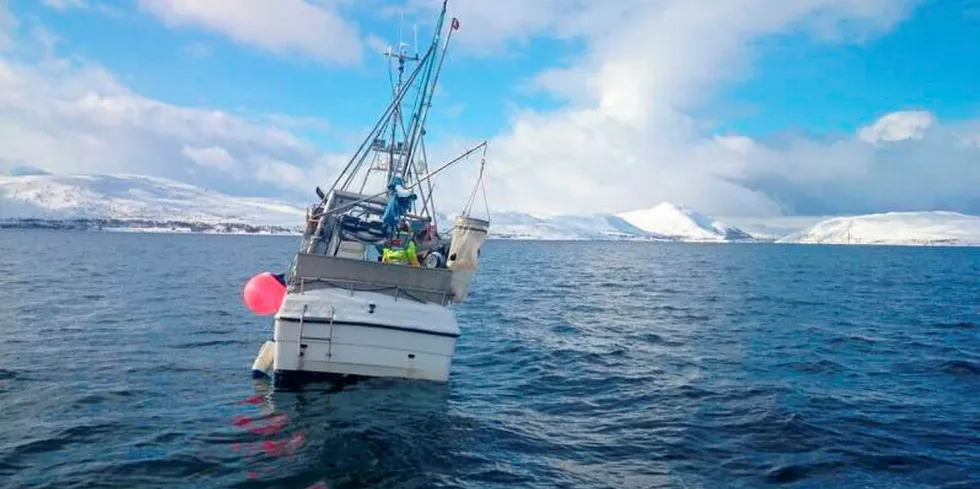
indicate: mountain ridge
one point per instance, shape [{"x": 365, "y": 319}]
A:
[
  {"x": 127, "y": 202},
  {"x": 893, "y": 228},
  {"x": 678, "y": 221},
  {"x": 137, "y": 202},
  {"x": 154, "y": 204}
]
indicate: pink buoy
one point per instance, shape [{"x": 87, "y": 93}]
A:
[{"x": 263, "y": 294}]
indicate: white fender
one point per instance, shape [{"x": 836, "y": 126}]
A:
[{"x": 262, "y": 366}]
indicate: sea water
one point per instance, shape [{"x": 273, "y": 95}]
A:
[{"x": 125, "y": 362}]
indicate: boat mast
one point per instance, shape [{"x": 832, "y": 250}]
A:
[
  {"x": 397, "y": 156},
  {"x": 402, "y": 157},
  {"x": 416, "y": 140},
  {"x": 397, "y": 121},
  {"x": 415, "y": 137},
  {"x": 376, "y": 143}
]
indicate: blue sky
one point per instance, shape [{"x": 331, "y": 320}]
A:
[
  {"x": 194, "y": 67},
  {"x": 923, "y": 63},
  {"x": 746, "y": 107},
  {"x": 796, "y": 84}
]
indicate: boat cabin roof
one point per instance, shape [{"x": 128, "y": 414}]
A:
[{"x": 373, "y": 204}]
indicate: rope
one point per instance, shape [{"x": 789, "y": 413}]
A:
[
  {"x": 480, "y": 185},
  {"x": 486, "y": 200}
]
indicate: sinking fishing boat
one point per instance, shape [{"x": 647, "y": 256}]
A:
[{"x": 373, "y": 288}]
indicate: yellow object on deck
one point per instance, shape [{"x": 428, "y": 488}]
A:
[{"x": 402, "y": 251}]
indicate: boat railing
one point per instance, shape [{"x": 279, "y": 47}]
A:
[
  {"x": 430, "y": 285},
  {"x": 395, "y": 291}
]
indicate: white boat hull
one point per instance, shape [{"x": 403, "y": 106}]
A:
[{"x": 338, "y": 332}]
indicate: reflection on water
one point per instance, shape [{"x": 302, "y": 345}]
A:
[{"x": 378, "y": 432}]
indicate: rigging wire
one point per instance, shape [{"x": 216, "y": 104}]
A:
[
  {"x": 426, "y": 73},
  {"x": 417, "y": 182},
  {"x": 423, "y": 112},
  {"x": 384, "y": 118},
  {"x": 479, "y": 185}
]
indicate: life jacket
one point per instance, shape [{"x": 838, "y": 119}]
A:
[{"x": 399, "y": 250}]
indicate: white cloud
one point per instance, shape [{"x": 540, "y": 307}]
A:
[
  {"x": 487, "y": 27},
  {"x": 848, "y": 176},
  {"x": 211, "y": 156},
  {"x": 898, "y": 126},
  {"x": 584, "y": 161},
  {"x": 627, "y": 139},
  {"x": 971, "y": 140},
  {"x": 278, "y": 173},
  {"x": 284, "y": 27},
  {"x": 66, "y": 117}
]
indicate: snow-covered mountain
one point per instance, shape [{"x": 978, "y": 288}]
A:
[
  {"x": 135, "y": 202},
  {"x": 894, "y": 228},
  {"x": 771, "y": 228},
  {"x": 515, "y": 225},
  {"x": 681, "y": 223},
  {"x": 666, "y": 222},
  {"x": 138, "y": 202}
]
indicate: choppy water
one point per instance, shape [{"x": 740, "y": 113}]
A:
[{"x": 124, "y": 362}]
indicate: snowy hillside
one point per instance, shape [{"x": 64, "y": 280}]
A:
[
  {"x": 681, "y": 223},
  {"x": 142, "y": 203},
  {"x": 513, "y": 225},
  {"x": 894, "y": 228},
  {"x": 132, "y": 201}
]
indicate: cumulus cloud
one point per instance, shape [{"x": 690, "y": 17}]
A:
[
  {"x": 898, "y": 126},
  {"x": 283, "y": 27},
  {"x": 936, "y": 169},
  {"x": 490, "y": 27},
  {"x": 211, "y": 156},
  {"x": 587, "y": 161},
  {"x": 67, "y": 117},
  {"x": 626, "y": 137}
]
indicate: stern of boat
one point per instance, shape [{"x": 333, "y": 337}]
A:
[{"x": 356, "y": 319}]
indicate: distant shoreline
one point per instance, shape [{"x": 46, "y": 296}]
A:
[
  {"x": 149, "y": 227},
  {"x": 184, "y": 227},
  {"x": 240, "y": 229}
]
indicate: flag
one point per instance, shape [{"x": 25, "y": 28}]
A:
[{"x": 455, "y": 24}]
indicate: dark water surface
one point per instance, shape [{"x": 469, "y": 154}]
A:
[{"x": 124, "y": 362}]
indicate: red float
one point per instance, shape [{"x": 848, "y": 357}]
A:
[{"x": 263, "y": 294}]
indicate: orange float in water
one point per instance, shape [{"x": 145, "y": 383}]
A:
[{"x": 264, "y": 293}]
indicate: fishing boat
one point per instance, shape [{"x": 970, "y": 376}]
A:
[{"x": 348, "y": 311}]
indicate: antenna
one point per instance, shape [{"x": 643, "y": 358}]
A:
[
  {"x": 401, "y": 29},
  {"x": 392, "y": 144},
  {"x": 390, "y": 154}
]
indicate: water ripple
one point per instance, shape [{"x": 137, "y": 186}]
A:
[{"x": 659, "y": 365}]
